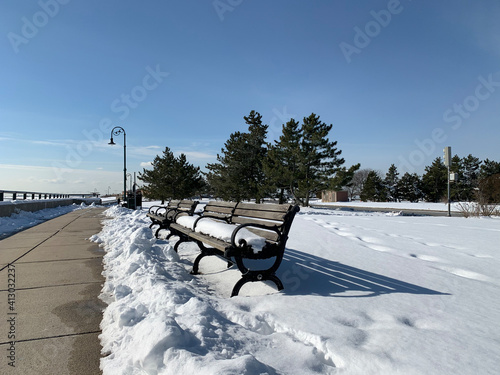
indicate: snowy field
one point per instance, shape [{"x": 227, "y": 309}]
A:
[
  {"x": 427, "y": 206},
  {"x": 365, "y": 293}
]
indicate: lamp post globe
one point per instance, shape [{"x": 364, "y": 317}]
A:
[{"x": 117, "y": 130}]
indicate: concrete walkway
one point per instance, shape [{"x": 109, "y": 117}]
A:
[{"x": 51, "y": 311}]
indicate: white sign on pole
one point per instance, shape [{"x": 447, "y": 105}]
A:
[{"x": 447, "y": 156}]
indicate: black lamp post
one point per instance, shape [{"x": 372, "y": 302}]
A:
[{"x": 117, "y": 130}]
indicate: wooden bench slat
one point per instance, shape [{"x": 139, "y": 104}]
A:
[
  {"x": 265, "y": 207},
  {"x": 224, "y": 210},
  {"x": 251, "y": 220},
  {"x": 278, "y": 216},
  {"x": 268, "y": 235}
]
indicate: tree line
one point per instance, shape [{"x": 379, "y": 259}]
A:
[
  {"x": 301, "y": 163},
  {"x": 475, "y": 180},
  {"x": 304, "y": 162}
]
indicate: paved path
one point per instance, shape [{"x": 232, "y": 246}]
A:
[{"x": 54, "y": 311}]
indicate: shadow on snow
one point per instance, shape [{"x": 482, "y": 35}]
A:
[{"x": 305, "y": 274}]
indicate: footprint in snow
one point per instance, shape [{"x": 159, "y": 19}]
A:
[
  {"x": 466, "y": 274},
  {"x": 428, "y": 258}
]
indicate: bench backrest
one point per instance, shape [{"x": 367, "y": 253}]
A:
[
  {"x": 184, "y": 207},
  {"x": 174, "y": 207},
  {"x": 219, "y": 210},
  {"x": 279, "y": 216}
]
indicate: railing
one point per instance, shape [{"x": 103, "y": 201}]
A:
[{"x": 12, "y": 195}]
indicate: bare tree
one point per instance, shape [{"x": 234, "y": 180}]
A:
[{"x": 357, "y": 183}]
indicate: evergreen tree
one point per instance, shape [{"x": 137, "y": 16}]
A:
[
  {"x": 373, "y": 188},
  {"x": 357, "y": 183},
  {"x": 343, "y": 178},
  {"x": 188, "y": 180},
  {"x": 489, "y": 182},
  {"x": 318, "y": 159},
  {"x": 456, "y": 168},
  {"x": 435, "y": 181},
  {"x": 281, "y": 166},
  {"x": 239, "y": 175},
  {"x": 256, "y": 151},
  {"x": 468, "y": 173},
  {"x": 489, "y": 190},
  {"x": 409, "y": 187},
  {"x": 391, "y": 183},
  {"x": 489, "y": 168},
  {"x": 171, "y": 178}
]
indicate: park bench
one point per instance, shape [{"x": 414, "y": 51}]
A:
[
  {"x": 163, "y": 216},
  {"x": 239, "y": 233}
]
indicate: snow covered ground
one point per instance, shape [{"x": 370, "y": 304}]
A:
[
  {"x": 365, "y": 293},
  {"x": 394, "y": 205}
]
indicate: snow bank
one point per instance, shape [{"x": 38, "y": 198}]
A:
[{"x": 159, "y": 319}]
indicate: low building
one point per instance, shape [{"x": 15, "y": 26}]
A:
[{"x": 334, "y": 196}]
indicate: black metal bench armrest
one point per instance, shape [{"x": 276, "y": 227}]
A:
[
  {"x": 153, "y": 209},
  {"x": 242, "y": 243}
]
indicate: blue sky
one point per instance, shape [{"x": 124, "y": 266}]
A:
[{"x": 399, "y": 81}]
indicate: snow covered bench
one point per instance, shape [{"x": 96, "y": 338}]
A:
[
  {"x": 165, "y": 215},
  {"x": 237, "y": 232}
]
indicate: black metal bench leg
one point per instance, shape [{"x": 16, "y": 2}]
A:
[
  {"x": 257, "y": 276},
  {"x": 181, "y": 240},
  {"x": 196, "y": 264},
  {"x": 157, "y": 232},
  {"x": 277, "y": 281}
]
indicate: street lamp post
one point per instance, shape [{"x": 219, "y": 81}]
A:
[{"x": 117, "y": 130}]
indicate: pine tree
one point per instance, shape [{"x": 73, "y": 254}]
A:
[
  {"x": 410, "y": 187},
  {"x": 171, "y": 178},
  {"x": 489, "y": 182},
  {"x": 467, "y": 170},
  {"x": 373, "y": 188},
  {"x": 281, "y": 165},
  {"x": 456, "y": 168},
  {"x": 239, "y": 175},
  {"x": 391, "y": 183},
  {"x": 256, "y": 152},
  {"x": 343, "y": 178},
  {"x": 357, "y": 183},
  {"x": 318, "y": 159},
  {"x": 489, "y": 168},
  {"x": 435, "y": 181}
]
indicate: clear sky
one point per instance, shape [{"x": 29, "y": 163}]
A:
[{"x": 399, "y": 81}]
